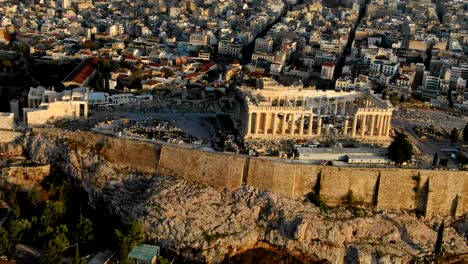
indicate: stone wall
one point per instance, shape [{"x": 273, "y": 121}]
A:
[
  {"x": 8, "y": 136},
  {"x": 427, "y": 191},
  {"x": 336, "y": 182},
  {"x": 287, "y": 178},
  {"x": 214, "y": 169},
  {"x": 7, "y": 121}
]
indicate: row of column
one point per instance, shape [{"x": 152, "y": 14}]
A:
[
  {"x": 339, "y": 108},
  {"x": 371, "y": 124},
  {"x": 335, "y": 107},
  {"x": 277, "y": 124},
  {"x": 274, "y": 123}
]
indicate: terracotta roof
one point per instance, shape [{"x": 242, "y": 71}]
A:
[
  {"x": 190, "y": 76},
  {"x": 79, "y": 75},
  {"x": 207, "y": 66}
]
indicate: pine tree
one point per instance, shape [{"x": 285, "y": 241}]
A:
[{"x": 400, "y": 150}]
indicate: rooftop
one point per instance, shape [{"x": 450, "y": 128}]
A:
[
  {"x": 144, "y": 252},
  {"x": 81, "y": 73}
]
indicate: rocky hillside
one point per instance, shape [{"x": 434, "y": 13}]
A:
[{"x": 201, "y": 223}]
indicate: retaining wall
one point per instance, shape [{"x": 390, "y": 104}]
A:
[{"x": 430, "y": 192}]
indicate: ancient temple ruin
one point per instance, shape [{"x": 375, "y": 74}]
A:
[{"x": 277, "y": 111}]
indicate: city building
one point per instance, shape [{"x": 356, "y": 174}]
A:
[
  {"x": 327, "y": 71},
  {"x": 46, "y": 105}
]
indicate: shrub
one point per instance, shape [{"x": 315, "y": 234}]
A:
[
  {"x": 350, "y": 199},
  {"x": 317, "y": 201}
]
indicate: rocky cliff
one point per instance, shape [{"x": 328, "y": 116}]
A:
[{"x": 202, "y": 223}]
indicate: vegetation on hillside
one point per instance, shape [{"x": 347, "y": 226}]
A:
[{"x": 55, "y": 218}]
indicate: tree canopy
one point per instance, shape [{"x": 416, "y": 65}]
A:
[
  {"x": 400, "y": 150},
  {"x": 133, "y": 236}
]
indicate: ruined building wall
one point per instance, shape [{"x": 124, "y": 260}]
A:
[
  {"x": 7, "y": 121},
  {"x": 427, "y": 191}
]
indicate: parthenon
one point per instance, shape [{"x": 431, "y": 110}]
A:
[{"x": 277, "y": 111}]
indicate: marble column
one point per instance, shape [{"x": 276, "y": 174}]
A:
[
  {"x": 293, "y": 124},
  {"x": 85, "y": 114},
  {"x": 389, "y": 125},
  {"x": 384, "y": 126},
  {"x": 380, "y": 125},
  {"x": 257, "y": 123},
  {"x": 363, "y": 125},
  {"x": 345, "y": 128},
  {"x": 355, "y": 120},
  {"x": 301, "y": 128},
  {"x": 249, "y": 123},
  {"x": 283, "y": 124},
  {"x": 267, "y": 123},
  {"x": 311, "y": 123},
  {"x": 319, "y": 126},
  {"x": 371, "y": 129},
  {"x": 275, "y": 116},
  {"x": 377, "y": 124}
]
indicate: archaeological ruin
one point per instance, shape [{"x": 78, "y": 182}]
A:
[{"x": 277, "y": 111}]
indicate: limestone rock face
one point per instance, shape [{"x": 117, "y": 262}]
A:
[
  {"x": 201, "y": 223},
  {"x": 9, "y": 150},
  {"x": 27, "y": 176}
]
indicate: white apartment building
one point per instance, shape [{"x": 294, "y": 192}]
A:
[
  {"x": 230, "y": 47},
  {"x": 264, "y": 44},
  {"x": 327, "y": 71}
]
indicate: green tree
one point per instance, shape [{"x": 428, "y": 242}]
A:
[
  {"x": 77, "y": 259},
  {"x": 18, "y": 228},
  {"x": 59, "y": 187},
  {"x": 400, "y": 150},
  {"x": 5, "y": 243},
  {"x": 127, "y": 240},
  {"x": 6, "y": 64},
  {"x": 34, "y": 202},
  {"x": 440, "y": 239},
  {"x": 85, "y": 230},
  {"x": 465, "y": 133},
  {"x": 454, "y": 136},
  {"x": 56, "y": 246},
  {"x": 53, "y": 213},
  {"x": 162, "y": 260}
]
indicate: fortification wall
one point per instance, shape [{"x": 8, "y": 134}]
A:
[
  {"x": 128, "y": 154},
  {"x": 7, "y": 121},
  {"x": 336, "y": 182},
  {"x": 291, "y": 179},
  {"x": 214, "y": 169},
  {"x": 430, "y": 192},
  {"x": 8, "y": 136}
]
